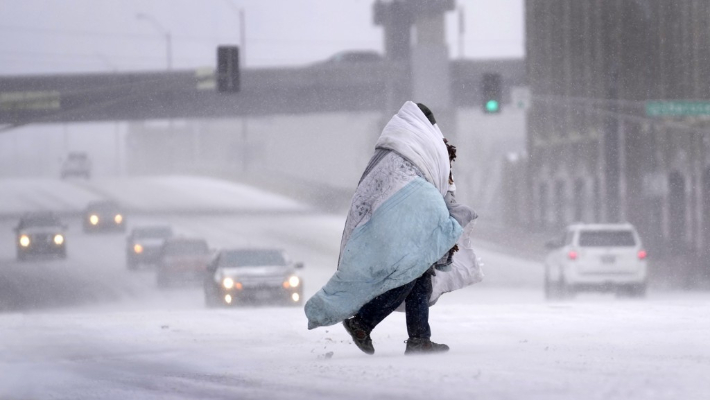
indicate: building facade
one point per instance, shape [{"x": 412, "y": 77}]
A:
[{"x": 599, "y": 151}]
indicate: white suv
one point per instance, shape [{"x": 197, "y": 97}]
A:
[{"x": 596, "y": 257}]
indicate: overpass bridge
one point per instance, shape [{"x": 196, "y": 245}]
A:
[{"x": 372, "y": 86}]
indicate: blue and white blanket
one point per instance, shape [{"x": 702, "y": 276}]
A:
[{"x": 398, "y": 224}]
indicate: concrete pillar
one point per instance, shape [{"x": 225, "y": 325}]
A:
[
  {"x": 430, "y": 69},
  {"x": 395, "y": 17}
]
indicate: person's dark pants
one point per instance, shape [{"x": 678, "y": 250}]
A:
[{"x": 415, "y": 294}]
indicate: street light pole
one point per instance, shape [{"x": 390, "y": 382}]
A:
[
  {"x": 169, "y": 41},
  {"x": 169, "y": 53},
  {"x": 242, "y": 32},
  {"x": 242, "y": 62},
  {"x": 163, "y": 31},
  {"x": 242, "y": 38},
  {"x": 462, "y": 30}
]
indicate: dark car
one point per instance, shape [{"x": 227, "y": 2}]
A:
[
  {"x": 252, "y": 276},
  {"x": 104, "y": 215},
  {"x": 76, "y": 164},
  {"x": 182, "y": 260},
  {"x": 144, "y": 243},
  {"x": 40, "y": 233}
]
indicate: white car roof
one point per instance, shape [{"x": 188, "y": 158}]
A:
[{"x": 622, "y": 226}]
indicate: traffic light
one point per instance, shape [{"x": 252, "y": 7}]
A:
[
  {"x": 492, "y": 92},
  {"x": 228, "y": 69}
]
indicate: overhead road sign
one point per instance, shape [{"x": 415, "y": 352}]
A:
[
  {"x": 30, "y": 100},
  {"x": 677, "y": 108},
  {"x": 206, "y": 78}
]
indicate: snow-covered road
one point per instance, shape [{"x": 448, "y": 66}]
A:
[
  {"x": 87, "y": 328},
  {"x": 516, "y": 349}
]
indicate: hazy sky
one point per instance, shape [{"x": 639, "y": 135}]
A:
[{"x": 46, "y": 36}]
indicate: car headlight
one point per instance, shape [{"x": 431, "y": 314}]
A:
[
  {"x": 294, "y": 281},
  {"x": 228, "y": 299},
  {"x": 295, "y": 297},
  {"x": 24, "y": 240},
  {"x": 58, "y": 239},
  {"x": 118, "y": 218},
  {"x": 94, "y": 219},
  {"x": 137, "y": 248},
  {"x": 228, "y": 283}
]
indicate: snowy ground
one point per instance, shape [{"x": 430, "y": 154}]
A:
[{"x": 87, "y": 328}]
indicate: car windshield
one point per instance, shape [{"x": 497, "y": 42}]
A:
[
  {"x": 186, "y": 248},
  {"x": 607, "y": 238},
  {"x": 158, "y": 232},
  {"x": 39, "y": 220},
  {"x": 251, "y": 258}
]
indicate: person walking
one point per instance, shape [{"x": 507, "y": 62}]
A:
[{"x": 403, "y": 225}]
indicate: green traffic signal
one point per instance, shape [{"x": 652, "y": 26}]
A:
[{"x": 492, "y": 106}]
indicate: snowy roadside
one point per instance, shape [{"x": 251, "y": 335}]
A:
[{"x": 158, "y": 195}]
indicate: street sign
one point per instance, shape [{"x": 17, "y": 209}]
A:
[
  {"x": 206, "y": 78},
  {"x": 677, "y": 108},
  {"x": 34, "y": 100}
]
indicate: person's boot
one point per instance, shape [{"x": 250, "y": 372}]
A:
[
  {"x": 360, "y": 335},
  {"x": 424, "y": 346}
]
